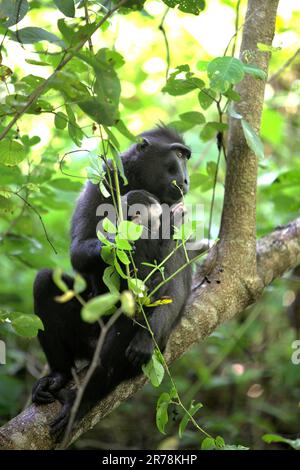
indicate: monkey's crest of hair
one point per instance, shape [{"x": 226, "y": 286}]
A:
[{"x": 163, "y": 133}]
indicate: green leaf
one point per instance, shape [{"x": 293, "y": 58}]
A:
[
  {"x": 10, "y": 174},
  {"x": 219, "y": 441},
  {"x": 112, "y": 138},
  {"x": 294, "y": 443},
  {"x": 206, "y": 97},
  {"x": 38, "y": 62},
  {"x": 123, "y": 244},
  {"x": 67, "y": 7},
  {"x": 211, "y": 129},
  {"x": 111, "y": 279},
  {"x": 208, "y": 444},
  {"x": 60, "y": 120},
  {"x": 225, "y": 71},
  {"x": 98, "y": 307},
  {"x": 201, "y": 180},
  {"x": 177, "y": 87},
  {"x": 181, "y": 126},
  {"x": 131, "y": 5},
  {"x": 120, "y": 126},
  {"x": 267, "y": 48},
  {"x": 123, "y": 257},
  {"x": 66, "y": 297},
  {"x": 118, "y": 160},
  {"x": 154, "y": 370},
  {"x": 128, "y": 303},
  {"x": 5, "y": 194},
  {"x": 253, "y": 140},
  {"x": 187, "y": 6},
  {"x": 108, "y": 226},
  {"x": 129, "y": 230},
  {"x": 137, "y": 286},
  {"x": 107, "y": 88},
  {"x": 12, "y": 11},
  {"x": 233, "y": 447},
  {"x": 191, "y": 412},
  {"x": 58, "y": 281},
  {"x": 255, "y": 71},
  {"x": 162, "y": 417},
  {"x": 232, "y": 95},
  {"x": 32, "y": 35},
  {"x": 6, "y": 205},
  {"x": 119, "y": 269},
  {"x": 79, "y": 284},
  {"x": 11, "y": 152},
  {"x": 193, "y": 117},
  {"x": 74, "y": 130},
  {"x": 26, "y": 324}
]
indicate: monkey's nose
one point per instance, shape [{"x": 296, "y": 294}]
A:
[{"x": 184, "y": 186}]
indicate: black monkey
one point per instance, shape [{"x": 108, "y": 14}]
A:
[{"x": 151, "y": 168}]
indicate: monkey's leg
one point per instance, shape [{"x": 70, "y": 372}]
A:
[
  {"x": 59, "y": 337},
  {"x": 112, "y": 369}
]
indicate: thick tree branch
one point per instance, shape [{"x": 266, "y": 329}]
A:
[
  {"x": 210, "y": 305},
  {"x": 238, "y": 226}
]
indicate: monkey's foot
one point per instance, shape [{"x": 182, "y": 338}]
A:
[
  {"x": 59, "y": 423},
  {"x": 140, "y": 349},
  {"x": 44, "y": 390}
]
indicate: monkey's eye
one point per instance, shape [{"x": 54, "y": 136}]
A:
[
  {"x": 141, "y": 146},
  {"x": 180, "y": 154}
]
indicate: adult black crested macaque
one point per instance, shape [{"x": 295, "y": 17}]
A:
[{"x": 151, "y": 167}]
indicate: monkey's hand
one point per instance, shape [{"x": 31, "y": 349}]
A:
[
  {"x": 45, "y": 389},
  {"x": 140, "y": 349}
]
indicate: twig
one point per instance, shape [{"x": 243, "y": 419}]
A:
[
  {"x": 162, "y": 29},
  {"x": 61, "y": 161},
  {"x": 41, "y": 220},
  {"x": 284, "y": 66},
  {"x": 92, "y": 367},
  {"x": 237, "y": 17},
  {"x": 87, "y": 20},
  {"x": 241, "y": 26}
]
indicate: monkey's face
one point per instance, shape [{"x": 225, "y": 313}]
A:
[
  {"x": 142, "y": 208},
  {"x": 164, "y": 167}
]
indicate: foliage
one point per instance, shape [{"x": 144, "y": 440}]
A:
[{"x": 114, "y": 88}]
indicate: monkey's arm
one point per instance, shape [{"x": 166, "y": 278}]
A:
[
  {"x": 85, "y": 254},
  {"x": 85, "y": 246}
]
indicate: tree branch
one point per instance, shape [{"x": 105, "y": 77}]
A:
[
  {"x": 238, "y": 225},
  {"x": 210, "y": 305}
]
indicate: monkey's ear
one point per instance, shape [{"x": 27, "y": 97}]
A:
[{"x": 142, "y": 145}]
